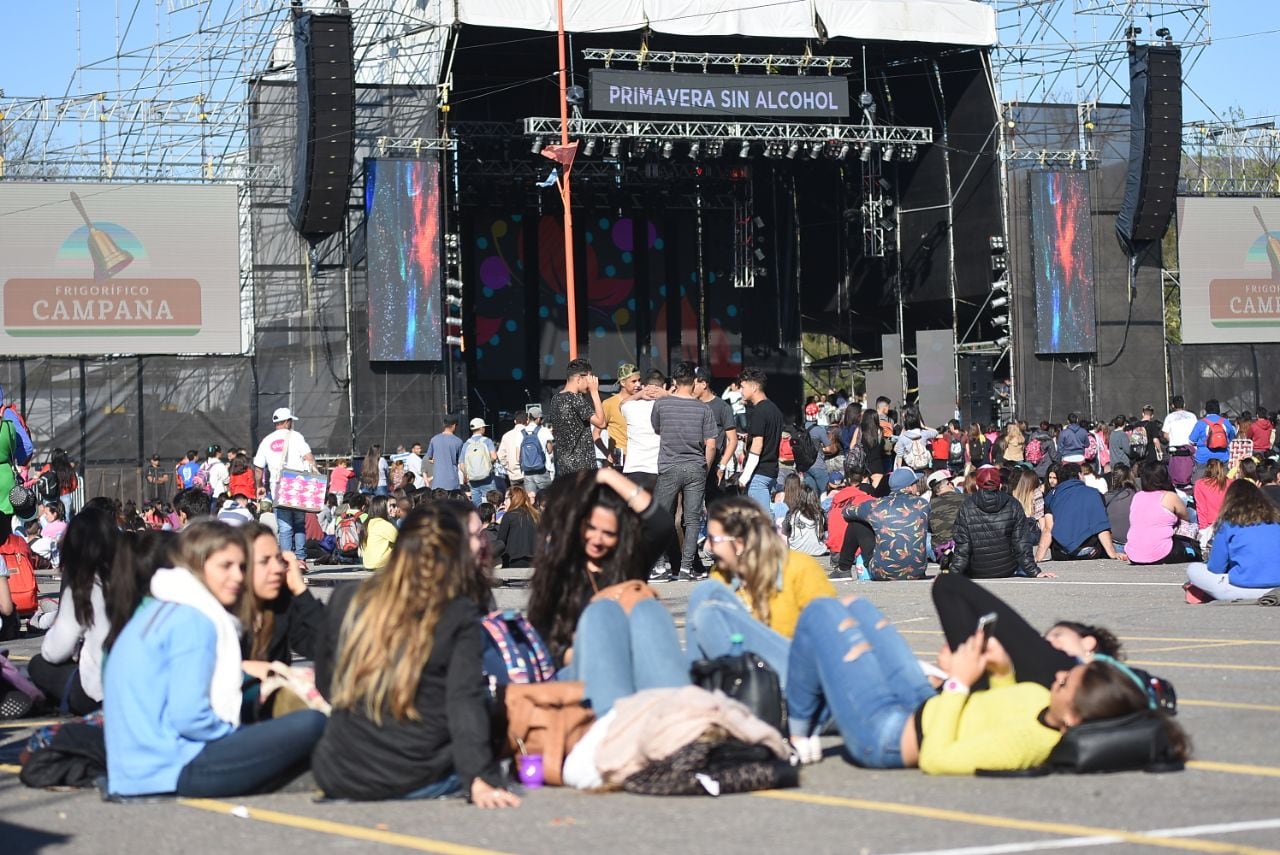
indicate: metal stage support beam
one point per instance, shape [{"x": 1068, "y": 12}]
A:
[
  {"x": 744, "y": 131},
  {"x": 672, "y": 58}
]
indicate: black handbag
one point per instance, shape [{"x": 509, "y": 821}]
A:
[
  {"x": 748, "y": 679},
  {"x": 1135, "y": 741},
  {"x": 714, "y": 768}
]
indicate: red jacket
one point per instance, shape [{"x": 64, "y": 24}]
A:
[{"x": 836, "y": 524}]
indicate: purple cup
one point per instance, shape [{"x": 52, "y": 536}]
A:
[{"x": 530, "y": 770}]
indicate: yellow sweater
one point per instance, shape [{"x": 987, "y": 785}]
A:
[
  {"x": 803, "y": 581},
  {"x": 378, "y": 542},
  {"x": 996, "y": 729}
]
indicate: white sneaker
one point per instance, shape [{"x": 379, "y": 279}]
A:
[{"x": 808, "y": 749}]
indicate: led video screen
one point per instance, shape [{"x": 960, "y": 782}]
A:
[
  {"x": 1062, "y": 255},
  {"x": 402, "y": 207},
  {"x": 119, "y": 268}
]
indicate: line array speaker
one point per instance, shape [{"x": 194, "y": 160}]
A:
[
  {"x": 1155, "y": 143},
  {"x": 325, "y": 150}
]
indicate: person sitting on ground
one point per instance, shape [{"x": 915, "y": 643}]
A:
[
  {"x": 1118, "y": 499},
  {"x": 1153, "y": 517},
  {"x": 1268, "y": 473},
  {"x": 1242, "y": 564},
  {"x": 488, "y": 518},
  {"x": 400, "y": 660},
  {"x": 190, "y": 505},
  {"x": 848, "y": 657},
  {"x": 1089, "y": 475},
  {"x": 803, "y": 521},
  {"x": 173, "y": 686},
  {"x": 1209, "y": 492},
  {"x": 600, "y": 529},
  {"x": 53, "y": 525},
  {"x": 1076, "y": 520},
  {"x": 379, "y": 533},
  {"x": 944, "y": 505},
  {"x": 518, "y": 530},
  {"x": 1024, "y": 486},
  {"x": 899, "y": 522},
  {"x": 280, "y": 616},
  {"x": 912, "y": 448},
  {"x": 235, "y": 511},
  {"x": 993, "y": 538},
  {"x": 758, "y": 587},
  {"x": 839, "y": 541},
  {"x": 68, "y": 668}
]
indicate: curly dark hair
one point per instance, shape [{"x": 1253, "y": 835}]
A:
[{"x": 560, "y": 588}]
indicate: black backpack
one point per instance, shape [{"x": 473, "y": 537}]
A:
[{"x": 803, "y": 449}]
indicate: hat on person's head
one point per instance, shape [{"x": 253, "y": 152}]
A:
[
  {"x": 1147, "y": 408},
  {"x": 283, "y": 414},
  {"x": 24, "y": 503},
  {"x": 900, "y": 479},
  {"x": 264, "y": 505},
  {"x": 476, "y": 424},
  {"x": 535, "y": 412},
  {"x": 835, "y": 478},
  {"x": 626, "y": 370},
  {"x": 988, "y": 478},
  {"x": 154, "y": 457},
  {"x": 939, "y": 476},
  {"x": 213, "y": 449}
]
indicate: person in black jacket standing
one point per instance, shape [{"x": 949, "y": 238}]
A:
[{"x": 991, "y": 533}]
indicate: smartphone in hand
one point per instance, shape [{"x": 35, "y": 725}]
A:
[{"x": 987, "y": 626}]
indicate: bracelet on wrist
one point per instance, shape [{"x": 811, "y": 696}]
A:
[
  {"x": 954, "y": 685},
  {"x": 633, "y": 495}
]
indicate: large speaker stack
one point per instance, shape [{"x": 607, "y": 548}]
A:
[
  {"x": 1155, "y": 143},
  {"x": 325, "y": 150}
]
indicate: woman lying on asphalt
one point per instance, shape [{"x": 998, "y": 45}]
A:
[{"x": 1007, "y": 702}]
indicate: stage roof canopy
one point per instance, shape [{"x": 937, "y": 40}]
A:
[{"x": 957, "y": 22}]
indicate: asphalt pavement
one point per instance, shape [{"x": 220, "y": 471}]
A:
[{"x": 1223, "y": 659}]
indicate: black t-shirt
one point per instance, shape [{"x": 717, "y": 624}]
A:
[
  {"x": 723, "y": 414},
  {"x": 1154, "y": 430},
  {"x": 1272, "y": 492},
  {"x": 765, "y": 420}
]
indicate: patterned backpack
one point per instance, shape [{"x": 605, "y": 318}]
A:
[{"x": 513, "y": 650}]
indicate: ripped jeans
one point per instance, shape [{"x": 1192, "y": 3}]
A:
[{"x": 848, "y": 661}]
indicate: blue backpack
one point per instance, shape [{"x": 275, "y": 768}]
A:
[
  {"x": 532, "y": 459},
  {"x": 23, "y": 448},
  {"x": 513, "y": 650}
]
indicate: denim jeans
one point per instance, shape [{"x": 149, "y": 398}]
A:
[
  {"x": 445, "y": 787},
  {"x": 1216, "y": 585},
  {"x": 292, "y": 531},
  {"x": 716, "y": 615},
  {"x": 761, "y": 489},
  {"x": 536, "y": 482},
  {"x": 479, "y": 488},
  {"x": 690, "y": 480},
  {"x": 617, "y": 655},
  {"x": 850, "y": 660},
  {"x": 254, "y": 759}
]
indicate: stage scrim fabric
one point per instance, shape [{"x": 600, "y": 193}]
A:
[{"x": 961, "y": 22}]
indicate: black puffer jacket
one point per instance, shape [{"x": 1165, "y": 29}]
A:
[{"x": 992, "y": 538}]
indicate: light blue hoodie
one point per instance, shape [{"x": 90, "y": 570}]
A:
[{"x": 156, "y": 698}]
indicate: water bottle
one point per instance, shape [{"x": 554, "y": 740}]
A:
[{"x": 737, "y": 644}]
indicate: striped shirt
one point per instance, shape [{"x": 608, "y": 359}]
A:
[{"x": 684, "y": 425}]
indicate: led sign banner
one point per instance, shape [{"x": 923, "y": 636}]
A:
[{"x": 781, "y": 96}]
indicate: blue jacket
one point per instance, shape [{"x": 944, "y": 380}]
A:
[
  {"x": 1200, "y": 435},
  {"x": 1073, "y": 441},
  {"x": 1078, "y": 513},
  {"x": 1247, "y": 554},
  {"x": 156, "y": 698}
]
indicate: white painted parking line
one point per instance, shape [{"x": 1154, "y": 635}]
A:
[{"x": 1078, "y": 842}]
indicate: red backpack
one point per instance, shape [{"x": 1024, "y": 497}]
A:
[
  {"x": 16, "y": 556},
  {"x": 940, "y": 447},
  {"x": 1215, "y": 436}
]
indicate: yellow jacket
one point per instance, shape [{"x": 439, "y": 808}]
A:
[
  {"x": 996, "y": 729},
  {"x": 801, "y": 582},
  {"x": 379, "y": 539}
]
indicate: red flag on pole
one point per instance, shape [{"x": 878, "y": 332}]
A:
[{"x": 562, "y": 154}]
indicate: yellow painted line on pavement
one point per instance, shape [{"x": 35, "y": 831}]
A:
[
  {"x": 1217, "y": 666},
  {"x": 1203, "y": 645},
  {"x": 1135, "y": 637},
  {"x": 1234, "y": 768},
  {"x": 1228, "y": 705},
  {"x": 337, "y": 829},
  {"x": 22, "y": 723},
  {"x": 1191, "y": 844},
  {"x": 11, "y": 769}
]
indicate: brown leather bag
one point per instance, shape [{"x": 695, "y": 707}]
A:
[
  {"x": 548, "y": 719},
  {"x": 626, "y": 594}
]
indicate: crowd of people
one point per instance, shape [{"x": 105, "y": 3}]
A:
[{"x": 664, "y": 480}]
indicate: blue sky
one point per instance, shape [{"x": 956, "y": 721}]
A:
[{"x": 40, "y": 53}]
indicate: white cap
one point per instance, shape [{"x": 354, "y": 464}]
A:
[
  {"x": 476, "y": 424},
  {"x": 940, "y": 475},
  {"x": 283, "y": 414}
]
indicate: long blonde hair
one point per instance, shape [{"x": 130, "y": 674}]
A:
[
  {"x": 764, "y": 552},
  {"x": 389, "y": 628}
]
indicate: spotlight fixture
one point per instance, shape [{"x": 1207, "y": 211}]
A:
[
  {"x": 759, "y": 254},
  {"x": 538, "y": 143},
  {"x": 1000, "y": 284},
  {"x": 615, "y": 147},
  {"x": 590, "y": 147},
  {"x": 886, "y": 154},
  {"x": 866, "y": 152},
  {"x": 453, "y": 300},
  {"x": 745, "y": 151},
  {"x": 773, "y": 150},
  {"x": 715, "y": 148},
  {"x": 997, "y": 243},
  {"x": 885, "y": 185},
  {"x": 454, "y": 340},
  {"x": 815, "y": 149},
  {"x": 793, "y": 150},
  {"x": 642, "y": 147},
  {"x": 1000, "y": 320},
  {"x": 885, "y": 223},
  {"x": 667, "y": 148},
  {"x": 1002, "y": 341},
  {"x": 999, "y": 263},
  {"x": 695, "y": 149},
  {"x": 758, "y": 222},
  {"x": 844, "y": 150},
  {"x": 999, "y": 302}
]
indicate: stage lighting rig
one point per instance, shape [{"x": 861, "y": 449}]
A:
[
  {"x": 845, "y": 148},
  {"x": 816, "y": 149},
  {"x": 668, "y": 148},
  {"x": 999, "y": 302},
  {"x": 866, "y": 152},
  {"x": 695, "y": 149},
  {"x": 886, "y": 154},
  {"x": 590, "y": 147},
  {"x": 745, "y": 151},
  {"x": 538, "y": 143},
  {"x": 793, "y": 150},
  {"x": 615, "y": 148}
]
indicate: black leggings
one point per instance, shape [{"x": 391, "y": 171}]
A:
[
  {"x": 858, "y": 535},
  {"x": 960, "y": 601},
  {"x": 61, "y": 683},
  {"x": 1184, "y": 550},
  {"x": 1060, "y": 554}
]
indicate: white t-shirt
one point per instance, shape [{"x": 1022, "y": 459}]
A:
[
  {"x": 734, "y": 399},
  {"x": 219, "y": 477},
  {"x": 272, "y": 450},
  {"x": 413, "y": 463},
  {"x": 643, "y": 441},
  {"x": 1178, "y": 425}
]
